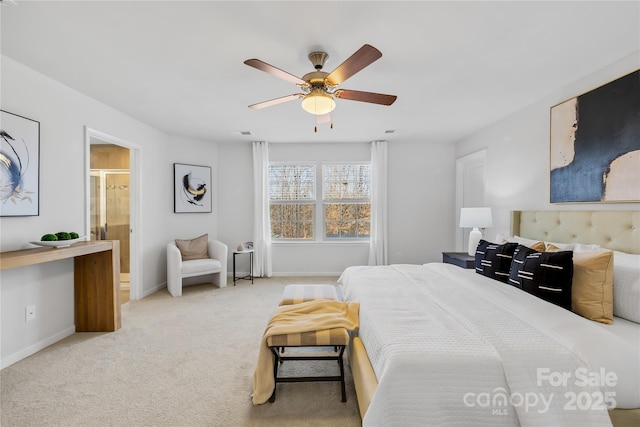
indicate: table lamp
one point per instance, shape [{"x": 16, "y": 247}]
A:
[{"x": 475, "y": 218}]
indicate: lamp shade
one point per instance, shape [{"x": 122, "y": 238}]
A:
[
  {"x": 318, "y": 103},
  {"x": 475, "y": 217}
]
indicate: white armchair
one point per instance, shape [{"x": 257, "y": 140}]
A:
[{"x": 177, "y": 269}]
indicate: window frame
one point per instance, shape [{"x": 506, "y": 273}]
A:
[
  {"x": 319, "y": 220},
  {"x": 323, "y": 203},
  {"x": 313, "y": 203}
]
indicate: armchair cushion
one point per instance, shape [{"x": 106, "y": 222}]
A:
[
  {"x": 196, "y": 267},
  {"x": 195, "y": 248}
]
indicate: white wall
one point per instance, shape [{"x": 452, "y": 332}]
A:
[
  {"x": 63, "y": 114},
  {"x": 185, "y": 225},
  {"x": 518, "y": 152},
  {"x": 421, "y": 199}
]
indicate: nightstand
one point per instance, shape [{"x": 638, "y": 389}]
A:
[{"x": 461, "y": 259}]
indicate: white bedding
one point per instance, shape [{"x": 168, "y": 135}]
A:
[{"x": 442, "y": 340}]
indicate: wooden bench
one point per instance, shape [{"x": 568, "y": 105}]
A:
[
  {"x": 337, "y": 338},
  {"x": 320, "y": 341}
]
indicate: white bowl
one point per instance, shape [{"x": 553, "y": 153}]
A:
[{"x": 58, "y": 243}]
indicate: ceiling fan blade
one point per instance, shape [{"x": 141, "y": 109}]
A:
[
  {"x": 374, "y": 98},
  {"x": 275, "y": 101},
  {"x": 270, "y": 69},
  {"x": 363, "y": 57}
]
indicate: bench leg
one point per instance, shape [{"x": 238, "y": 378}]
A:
[
  {"x": 342, "y": 385},
  {"x": 276, "y": 361},
  {"x": 279, "y": 358}
]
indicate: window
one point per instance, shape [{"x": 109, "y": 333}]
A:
[
  {"x": 346, "y": 196},
  {"x": 292, "y": 198},
  {"x": 345, "y": 203}
]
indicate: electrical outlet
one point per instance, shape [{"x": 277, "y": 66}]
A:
[{"x": 30, "y": 313}]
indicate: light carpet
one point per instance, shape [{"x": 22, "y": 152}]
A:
[{"x": 185, "y": 361}]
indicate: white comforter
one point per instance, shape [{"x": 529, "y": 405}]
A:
[{"x": 450, "y": 347}]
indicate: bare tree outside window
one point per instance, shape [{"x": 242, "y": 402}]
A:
[
  {"x": 345, "y": 203},
  {"x": 346, "y": 195},
  {"x": 292, "y": 197}
]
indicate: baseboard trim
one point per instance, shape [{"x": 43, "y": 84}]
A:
[
  {"x": 36, "y": 347},
  {"x": 153, "y": 290}
]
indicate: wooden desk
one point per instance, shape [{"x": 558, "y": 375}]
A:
[{"x": 96, "y": 279}]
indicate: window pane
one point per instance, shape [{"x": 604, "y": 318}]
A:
[
  {"x": 275, "y": 211},
  {"x": 306, "y": 212},
  {"x": 347, "y": 220},
  {"x": 364, "y": 211},
  {"x": 364, "y": 228},
  {"x": 289, "y": 230},
  {"x": 332, "y": 211},
  {"x": 332, "y": 229},
  {"x": 292, "y": 182},
  {"x": 276, "y": 230},
  {"x": 289, "y": 212},
  {"x": 306, "y": 230},
  {"x": 292, "y": 220},
  {"x": 346, "y": 182},
  {"x": 348, "y": 229},
  {"x": 348, "y": 211}
]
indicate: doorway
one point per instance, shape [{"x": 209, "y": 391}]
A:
[
  {"x": 470, "y": 189},
  {"x": 111, "y": 207},
  {"x": 110, "y": 201}
]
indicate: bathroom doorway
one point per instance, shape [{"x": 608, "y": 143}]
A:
[{"x": 112, "y": 203}]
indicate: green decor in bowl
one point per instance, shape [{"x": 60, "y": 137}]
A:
[{"x": 59, "y": 239}]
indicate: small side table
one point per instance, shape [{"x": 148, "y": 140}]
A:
[
  {"x": 248, "y": 276},
  {"x": 461, "y": 259}
]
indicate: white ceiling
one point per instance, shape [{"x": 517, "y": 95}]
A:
[{"x": 456, "y": 67}]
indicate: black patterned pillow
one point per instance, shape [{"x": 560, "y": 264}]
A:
[
  {"x": 519, "y": 256},
  {"x": 494, "y": 260},
  {"x": 547, "y": 275}
]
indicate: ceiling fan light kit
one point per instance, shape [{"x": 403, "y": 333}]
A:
[
  {"x": 319, "y": 88},
  {"x": 318, "y": 102}
]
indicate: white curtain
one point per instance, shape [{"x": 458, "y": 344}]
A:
[
  {"x": 261, "y": 221},
  {"x": 378, "y": 245}
]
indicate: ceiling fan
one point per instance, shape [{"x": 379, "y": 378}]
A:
[{"x": 319, "y": 88}]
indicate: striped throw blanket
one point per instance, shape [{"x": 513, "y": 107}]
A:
[{"x": 308, "y": 316}]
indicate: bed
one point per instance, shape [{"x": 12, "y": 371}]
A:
[{"x": 441, "y": 345}]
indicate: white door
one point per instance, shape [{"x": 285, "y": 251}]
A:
[{"x": 470, "y": 190}]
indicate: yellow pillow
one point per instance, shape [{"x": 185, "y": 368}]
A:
[
  {"x": 538, "y": 246},
  {"x": 197, "y": 248},
  {"x": 592, "y": 285}
]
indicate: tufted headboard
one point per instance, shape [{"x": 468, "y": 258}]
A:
[{"x": 616, "y": 230}]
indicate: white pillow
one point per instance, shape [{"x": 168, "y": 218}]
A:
[
  {"x": 581, "y": 247},
  {"x": 534, "y": 244},
  {"x": 626, "y": 286}
]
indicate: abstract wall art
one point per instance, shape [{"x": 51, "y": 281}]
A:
[
  {"x": 595, "y": 145},
  {"x": 19, "y": 165},
  {"x": 192, "y": 188}
]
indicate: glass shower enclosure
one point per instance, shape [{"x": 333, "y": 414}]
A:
[{"x": 110, "y": 211}]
